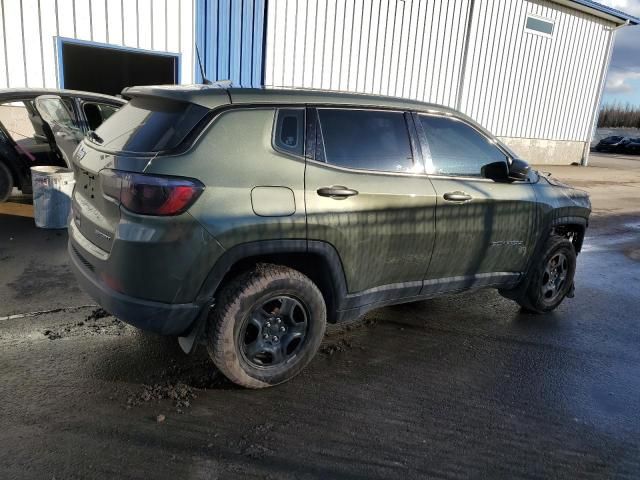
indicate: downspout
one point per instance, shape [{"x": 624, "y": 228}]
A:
[
  {"x": 465, "y": 54},
  {"x": 601, "y": 81}
]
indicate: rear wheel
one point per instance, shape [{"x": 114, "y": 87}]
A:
[
  {"x": 267, "y": 326},
  {"x": 6, "y": 182},
  {"x": 550, "y": 278}
]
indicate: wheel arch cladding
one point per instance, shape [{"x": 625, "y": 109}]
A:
[{"x": 317, "y": 260}]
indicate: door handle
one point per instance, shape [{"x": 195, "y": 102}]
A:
[
  {"x": 459, "y": 197},
  {"x": 337, "y": 192}
]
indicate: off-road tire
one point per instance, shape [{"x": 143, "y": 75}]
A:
[
  {"x": 531, "y": 298},
  {"x": 6, "y": 182},
  {"x": 237, "y": 300}
]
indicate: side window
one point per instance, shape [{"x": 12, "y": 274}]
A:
[
  {"x": 96, "y": 113},
  {"x": 457, "y": 148},
  {"x": 289, "y": 130},
  {"x": 366, "y": 139}
]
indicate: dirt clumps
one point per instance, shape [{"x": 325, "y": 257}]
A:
[
  {"x": 340, "y": 346},
  {"x": 98, "y": 322},
  {"x": 97, "y": 314},
  {"x": 180, "y": 383},
  {"x": 51, "y": 335},
  {"x": 180, "y": 395}
]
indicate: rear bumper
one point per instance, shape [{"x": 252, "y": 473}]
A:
[{"x": 162, "y": 318}]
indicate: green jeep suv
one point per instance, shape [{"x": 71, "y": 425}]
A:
[{"x": 248, "y": 219}]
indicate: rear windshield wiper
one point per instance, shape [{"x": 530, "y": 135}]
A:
[{"x": 95, "y": 137}]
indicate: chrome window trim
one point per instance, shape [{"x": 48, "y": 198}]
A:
[{"x": 362, "y": 171}]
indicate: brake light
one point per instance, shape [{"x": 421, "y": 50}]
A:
[{"x": 150, "y": 194}]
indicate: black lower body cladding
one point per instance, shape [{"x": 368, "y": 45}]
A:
[{"x": 157, "y": 317}]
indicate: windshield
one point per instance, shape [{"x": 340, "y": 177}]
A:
[{"x": 148, "y": 125}]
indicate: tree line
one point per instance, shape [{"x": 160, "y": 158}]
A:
[{"x": 619, "y": 116}]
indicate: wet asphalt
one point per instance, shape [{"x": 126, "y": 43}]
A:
[{"x": 456, "y": 387}]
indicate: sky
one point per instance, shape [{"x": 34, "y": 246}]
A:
[{"x": 623, "y": 80}]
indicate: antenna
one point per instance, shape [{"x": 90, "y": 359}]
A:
[{"x": 205, "y": 80}]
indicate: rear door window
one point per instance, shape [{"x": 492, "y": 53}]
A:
[
  {"x": 147, "y": 125},
  {"x": 366, "y": 139},
  {"x": 457, "y": 148}
]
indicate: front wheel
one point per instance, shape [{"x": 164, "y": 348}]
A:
[
  {"x": 550, "y": 278},
  {"x": 266, "y": 327}
]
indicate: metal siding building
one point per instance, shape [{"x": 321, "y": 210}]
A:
[
  {"x": 538, "y": 91},
  {"x": 34, "y": 30},
  {"x": 230, "y": 39}
]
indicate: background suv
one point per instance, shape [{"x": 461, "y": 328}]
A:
[{"x": 257, "y": 216}]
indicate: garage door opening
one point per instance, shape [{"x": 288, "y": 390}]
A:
[{"x": 106, "y": 69}]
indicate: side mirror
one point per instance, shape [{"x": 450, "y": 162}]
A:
[
  {"x": 498, "y": 171},
  {"x": 519, "y": 169}
]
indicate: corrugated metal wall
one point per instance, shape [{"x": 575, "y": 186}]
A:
[
  {"x": 519, "y": 84},
  {"x": 230, "y": 40},
  {"x": 515, "y": 83},
  {"x": 405, "y": 48},
  {"x": 28, "y": 29}
]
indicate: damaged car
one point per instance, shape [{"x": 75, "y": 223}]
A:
[
  {"x": 250, "y": 219},
  {"x": 43, "y": 127}
]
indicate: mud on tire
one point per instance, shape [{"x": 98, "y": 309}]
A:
[
  {"x": 550, "y": 277},
  {"x": 267, "y": 325}
]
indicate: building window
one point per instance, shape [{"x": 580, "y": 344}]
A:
[{"x": 539, "y": 25}]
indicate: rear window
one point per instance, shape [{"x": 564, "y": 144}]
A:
[{"x": 146, "y": 125}]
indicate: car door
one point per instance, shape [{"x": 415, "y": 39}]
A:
[
  {"x": 367, "y": 195},
  {"x": 23, "y": 136},
  {"x": 61, "y": 120},
  {"x": 484, "y": 228}
]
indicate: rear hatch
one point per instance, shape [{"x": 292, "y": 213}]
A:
[{"x": 141, "y": 130}]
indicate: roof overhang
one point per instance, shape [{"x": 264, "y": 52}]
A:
[{"x": 602, "y": 11}]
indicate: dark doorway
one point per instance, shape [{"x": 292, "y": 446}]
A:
[{"x": 108, "y": 70}]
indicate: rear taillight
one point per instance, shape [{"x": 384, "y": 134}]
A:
[{"x": 149, "y": 194}]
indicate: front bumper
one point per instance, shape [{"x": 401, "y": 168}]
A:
[{"x": 162, "y": 318}]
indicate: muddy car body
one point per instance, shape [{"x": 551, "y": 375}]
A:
[
  {"x": 285, "y": 210},
  {"x": 43, "y": 127}
]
